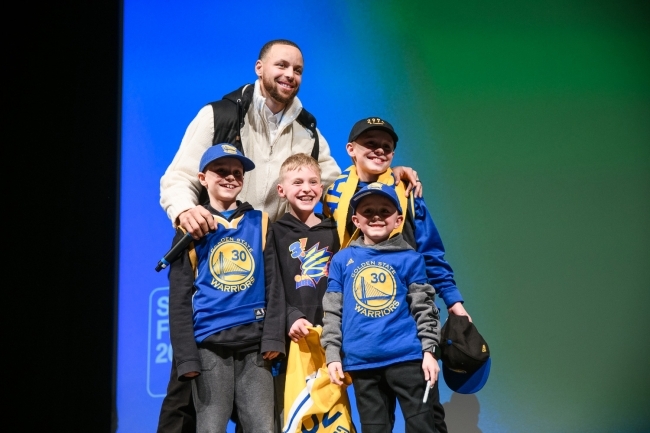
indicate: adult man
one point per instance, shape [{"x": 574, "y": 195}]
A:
[{"x": 269, "y": 135}]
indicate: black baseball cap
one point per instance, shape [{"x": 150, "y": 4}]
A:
[
  {"x": 369, "y": 123},
  {"x": 465, "y": 355}
]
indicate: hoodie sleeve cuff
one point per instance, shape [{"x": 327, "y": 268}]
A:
[
  {"x": 450, "y": 296},
  {"x": 272, "y": 346},
  {"x": 188, "y": 367},
  {"x": 293, "y": 314}
]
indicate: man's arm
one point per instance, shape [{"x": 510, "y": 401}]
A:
[
  {"x": 179, "y": 186},
  {"x": 328, "y": 166},
  {"x": 410, "y": 178}
]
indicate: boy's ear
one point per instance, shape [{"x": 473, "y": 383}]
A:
[
  {"x": 281, "y": 191},
  {"x": 350, "y": 149},
  {"x": 399, "y": 221},
  {"x": 355, "y": 220},
  {"x": 202, "y": 179}
]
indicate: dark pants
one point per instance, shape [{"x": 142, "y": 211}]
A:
[
  {"x": 177, "y": 413},
  {"x": 438, "y": 409},
  {"x": 376, "y": 390}
]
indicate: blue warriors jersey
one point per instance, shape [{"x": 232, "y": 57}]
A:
[
  {"x": 377, "y": 325},
  {"x": 229, "y": 275}
]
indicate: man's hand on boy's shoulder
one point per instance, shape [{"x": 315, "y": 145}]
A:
[
  {"x": 410, "y": 176},
  {"x": 459, "y": 310},
  {"x": 198, "y": 221},
  {"x": 335, "y": 370},
  {"x": 299, "y": 329}
]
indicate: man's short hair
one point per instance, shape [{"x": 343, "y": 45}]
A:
[
  {"x": 298, "y": 160},
  {"x": 267, "y": 46}
]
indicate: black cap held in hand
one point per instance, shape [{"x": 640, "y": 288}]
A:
[{"x": 465, "y": 355}]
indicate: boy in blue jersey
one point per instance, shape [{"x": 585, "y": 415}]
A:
[
  {"x": 381, "y": 324},
  {"x": 226, "y": 324}
]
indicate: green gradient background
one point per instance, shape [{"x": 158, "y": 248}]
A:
[{"x": 533, "y": 130}]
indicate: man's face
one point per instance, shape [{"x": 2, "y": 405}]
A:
[
  {"x": 281, "y": 73},
  {"x": 223, "y": 179},
  {"x": 376, "y": 216},
  {"x": 373, "y": 153},
  {"x": 302, "y": 188}
]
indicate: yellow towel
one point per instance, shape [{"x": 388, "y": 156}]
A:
[{"x": 311, "y": 402}]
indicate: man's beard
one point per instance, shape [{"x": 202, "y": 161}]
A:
[{"x": 271, "y": 88}]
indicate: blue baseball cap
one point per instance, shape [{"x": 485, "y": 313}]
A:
[
  {"x": 379, "y": 189},
  {"x": 467, "y": 383},
  {"x": 224, "y": 150}
]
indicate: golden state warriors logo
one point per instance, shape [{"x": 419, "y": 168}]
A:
[
  {"x": 232, "y": 265},
  {"x": 229, "y": 149},
  {"x": 374, "y": 289}
]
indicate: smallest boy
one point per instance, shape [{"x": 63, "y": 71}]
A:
[
  {"x": 225, "y": 327},
  {"x": 380, "y": 317}
]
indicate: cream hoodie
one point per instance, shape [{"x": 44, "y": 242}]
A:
[{"x": 180, "y": 187}]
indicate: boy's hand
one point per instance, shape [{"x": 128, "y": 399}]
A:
[
  {"x": 191, "y": 374},
  {"x": 299, "y": 329},
  {"x": 335, "y": 370},
  {"x": 198, "y": 221},
  {"x": 430, "y": 368},
  {"x": 459, "y": 310},
  {"x": 270, "y": 355},
  {"x": 410, "y": 176}
]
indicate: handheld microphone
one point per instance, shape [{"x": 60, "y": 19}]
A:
[{"x": 174, "y": 252}]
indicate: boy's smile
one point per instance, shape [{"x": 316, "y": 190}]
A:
[
  {"x": 372, "y": 153},
  {"x": 376, "y": 217}
]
